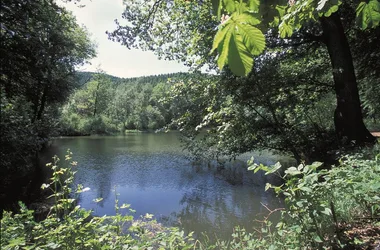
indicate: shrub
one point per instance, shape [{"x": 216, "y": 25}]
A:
[{"x": 320, "y": 204}]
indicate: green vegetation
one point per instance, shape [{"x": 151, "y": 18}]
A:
[
  {"x": 107, "y": 106},
  {"x": 321, "y": 204},
  {"x": 292, "y": 76},
  {"x": 41, "y": 44},
  {"x": 321, "y": 207},
  {"x": 68, "y": 226},
  {"x": 308, "y": 24}
]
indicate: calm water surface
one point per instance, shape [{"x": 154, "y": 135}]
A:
[{"x": 153, "y": 174}]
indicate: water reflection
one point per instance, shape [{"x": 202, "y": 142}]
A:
[{"x": 151, "y": 173}]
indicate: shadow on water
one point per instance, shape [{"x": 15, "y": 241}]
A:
[{"x": 153, "y": 174}]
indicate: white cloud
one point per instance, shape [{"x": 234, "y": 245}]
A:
[{"x": 98, "y": 16}]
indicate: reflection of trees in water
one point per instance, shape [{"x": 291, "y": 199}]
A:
[
  {"x": 96, "y": 166},
  {"x": 104, "y": 187},
  {"x": 219, "y": 211},
  {"x": 209, "y": 202},
  {"x": 99, "y": 181}
]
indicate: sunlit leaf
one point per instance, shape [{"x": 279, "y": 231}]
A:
[
  {"x": 224, "y": 47},
  {"x": 292, "y": 171},
  {"x": 229, "y": 5},
  {"x": 321, "y": 4},
  {"x": 237, "y": 42},
  {"x": 252, "y": 38},
  {"x": 219, "y": 37},
  {"x": 285, "y": 30},
  {"x": 247, "y": 18},
  {"x": 254, "y": 5},
  {"x": 368, "y": 14},
  {"x": 327, "y": 211}
]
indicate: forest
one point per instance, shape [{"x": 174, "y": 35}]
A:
[{"x": 299, "y": 78}]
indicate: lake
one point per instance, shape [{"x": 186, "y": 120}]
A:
[{"x": 154, "y": 175}]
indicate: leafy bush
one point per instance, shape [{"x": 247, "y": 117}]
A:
[{"x": 319, "y": 205}]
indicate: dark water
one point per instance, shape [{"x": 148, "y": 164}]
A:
[{"x": 153, "y": 175}]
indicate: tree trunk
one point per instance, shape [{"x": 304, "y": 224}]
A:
[
  {"x": 348, "y": 116},
  {"x": 43, "y": 103},
  {"x": 96, "y": 99}
]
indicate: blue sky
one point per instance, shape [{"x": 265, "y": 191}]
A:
[{"x": 98, "y": 16}]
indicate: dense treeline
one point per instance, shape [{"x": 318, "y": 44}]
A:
[{"x": 109, "y": 105}]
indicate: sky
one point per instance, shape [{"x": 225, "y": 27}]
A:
[{"x": 115, "y": 59}]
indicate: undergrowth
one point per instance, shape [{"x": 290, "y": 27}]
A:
[{"x": 321, "y": 205}]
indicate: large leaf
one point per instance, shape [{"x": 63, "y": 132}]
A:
[
  {"x": 247, "y": 18},
  {"x": 252, "y": 38},
  {"x": 237, "y": 42},
  {"x": 368, "y": 14},
  {"x": 220, "y": 35},
  {"x": 223, "y": 47},
  {"x": 240, "y": 61}
]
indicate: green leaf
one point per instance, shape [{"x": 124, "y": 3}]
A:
[
  {"x": 247, "y": 18},
  {"x": 253, "y": 167},
  {"x": 219, "y": 37},
  {"x": 368, "y": 14},
  {"x": 281, "y": 10},
  {"x": 53, "y": 245},
  {"x": 331, "y": 10},
  {"x": 306, "y": 189},
  {"x": 274, "y": 168},
  {"x": 254, "y": 5},
  {"x": 299, "y": 203},
  {"x": 17, "y": 242},
  {"x": 252, "y": 38},
  {"x": 240, "y": 60},
  {"x": 316, "y": 164},
  {"x": 229, "y": 5},
  {"x": 237, "y": 42},
  {"x": 321, "y": 4},
  {"x": 224, "y": 47},
  {"x": 317, "y": 239},
  {"x": 327, "y": 211},
  {"x": 285, "y": 30},
  {"x": 328, "y": 7},
  {"x": 292, "y": 171}
]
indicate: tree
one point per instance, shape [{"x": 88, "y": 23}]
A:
[
  {"x": 285, "y": 105},
  {"x": 41, "y": 46},
  {"x": 348, "y": 116},
  {"x": 240, "y": 37}
]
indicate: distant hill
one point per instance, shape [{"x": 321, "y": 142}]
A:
[{"x": 85, "y": 76}]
